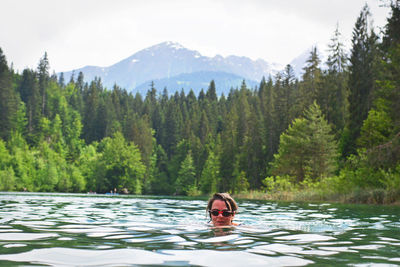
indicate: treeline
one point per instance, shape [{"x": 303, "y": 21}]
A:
[{"x": 336, "y": 128}]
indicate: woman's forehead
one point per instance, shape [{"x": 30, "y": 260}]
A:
[{"x": 219, "y": 204}]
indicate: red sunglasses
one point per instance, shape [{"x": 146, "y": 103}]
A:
[{"x": 224, "y": 213}]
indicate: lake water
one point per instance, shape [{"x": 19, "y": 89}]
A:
[{"x": 99, "y": 230}]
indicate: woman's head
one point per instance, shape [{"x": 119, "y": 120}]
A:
[{"x": 221, "y": 208}]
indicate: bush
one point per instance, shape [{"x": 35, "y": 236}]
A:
[{"x": 278, "y": 183}]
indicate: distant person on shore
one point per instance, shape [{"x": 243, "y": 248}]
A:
[{"x": 222, "y": 209}]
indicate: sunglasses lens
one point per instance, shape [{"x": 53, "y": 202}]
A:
[
  {"x": 226, "y": 213},
  {"x": 214, "y": 213}
]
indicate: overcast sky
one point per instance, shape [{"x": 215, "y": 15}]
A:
[{"x": 76, "y": 33}]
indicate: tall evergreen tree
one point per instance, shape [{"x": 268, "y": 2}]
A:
[
  {"x": 211, "y": 92},
  {"x": 391, "y": 37},
  {"x": 307, "y": 149},
  {"x": 9, "y": 100},
  {"x": 30, "y": 94},
  {"x": 362, "y": 77},
  {"x": 185, "y": 182},
  {"x": 92, "y": 103},
  {"x": 310, "y": 88},
  {"x": 335, "y": 84},
  {"x": 43, "y": 77}
]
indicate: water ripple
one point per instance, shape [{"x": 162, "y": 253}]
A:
[{"x": 73, "y": 229}]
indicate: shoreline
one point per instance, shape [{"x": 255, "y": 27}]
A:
[{"x": 370, "y": 196}]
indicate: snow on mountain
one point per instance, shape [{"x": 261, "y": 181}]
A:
[{"x": 165, "y": 61}]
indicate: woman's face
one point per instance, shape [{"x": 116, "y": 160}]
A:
[{"x": 220, "y": 220}]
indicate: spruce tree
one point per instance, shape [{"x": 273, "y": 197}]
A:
[
  {"x": 43, "y": 77},
  {"x": 362, "y": 77},
  {"x": 335, "y": 84},
  {"x": 9, "y": 100},
  {"x": 307, "y": 150},
  {"x": 185, "y": 183}
]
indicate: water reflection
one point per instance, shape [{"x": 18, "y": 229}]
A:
[{"x": 99, "y": 230}]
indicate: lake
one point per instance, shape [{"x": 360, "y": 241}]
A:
[{"x": 100, "y": 230}]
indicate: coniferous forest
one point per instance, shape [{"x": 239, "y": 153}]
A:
[{"x": 334, "y": 132}]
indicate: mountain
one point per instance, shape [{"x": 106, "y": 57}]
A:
[
  {"x": 197, "y": 81},
  {"x": 171, "y": 65}
]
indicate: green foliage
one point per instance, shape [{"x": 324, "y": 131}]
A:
[
  {"x": 119, "y": 166},
  {"x": 23, "y": 162},
  {"x": 210, "y": 175},
  {"x": 87, "y": 163},
  {"x": 362, "y": 77},
  {"x": 307, "y": 148},
  {"x": 7, "y": 179},
  {"x": 9, "y": 100},
  {"x": 77, "y": 136},
  {"x": 376, "y": 129},
  {"x": 241, "y": 183},
  {"x": 278, "y": 183},
  {"x": 185, "y": 183},
  {"x": 50, "y": 169}
]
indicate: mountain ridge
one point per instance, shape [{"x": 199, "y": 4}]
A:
[
  {"x": 170, "y": 62},
  {"x": 165, "y": 61}
]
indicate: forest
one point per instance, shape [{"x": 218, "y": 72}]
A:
[{"x": 333, "y": 134}]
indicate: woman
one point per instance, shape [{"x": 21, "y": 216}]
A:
[{"x": 222, "y": 209}]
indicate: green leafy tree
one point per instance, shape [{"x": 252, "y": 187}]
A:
[
  {"x": 7, "y": 177},
  {"x": 377, "y": 129},
  {"x": 50, "y": 167},
  {"x": 24, "y": 162},
  {"x": 119, "y": 166},
  {"x": 88, "y": 162}
]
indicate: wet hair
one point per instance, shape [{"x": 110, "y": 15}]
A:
[{"x": 229, "y": 201}]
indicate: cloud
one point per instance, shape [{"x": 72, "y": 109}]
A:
[{"x": 101, "y": 32}]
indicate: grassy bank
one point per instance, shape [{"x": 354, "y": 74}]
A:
[{"x": 360, "y": 196}]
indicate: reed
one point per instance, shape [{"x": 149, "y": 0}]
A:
[{"x": 358, "y": 195}]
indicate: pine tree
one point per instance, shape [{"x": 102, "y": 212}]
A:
[
  {"x": 362, "y": 77},
  {"x": 210, "y": 178},
  {"x": 310, "y": 88},
  {"x": 61, "y": 80},
  {"x": 185, "y": 182},
  {"x": 43, "y": 77},
  {"x": 30, "y": 94},
  {"x": 271, "y": 136},
  {"x": 307, "y": 149},
  {"x": 335, "y": 84},
  {"x": 391, "y": 37},
  {"x": 9, "y": 100},
  {"x": 211, "y": 94},
  {"x": 92, "y": 103}
]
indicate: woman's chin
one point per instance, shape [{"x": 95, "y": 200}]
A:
[{"x": 221, "y": 224}]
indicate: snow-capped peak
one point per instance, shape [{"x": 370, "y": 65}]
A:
[
  {"x": 174, "y": 45},
  {"x": 168, "y": 44}
]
